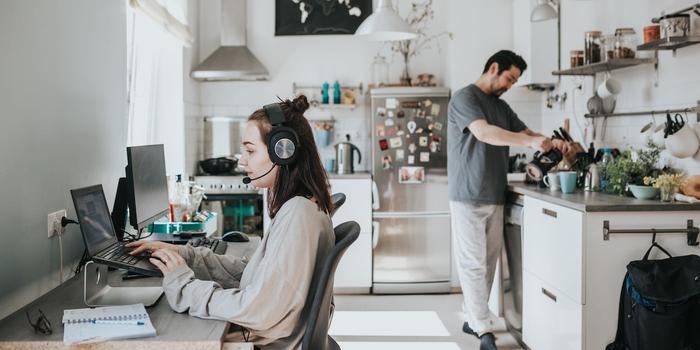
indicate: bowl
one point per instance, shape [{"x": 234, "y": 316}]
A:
[{"x": 643, "y": 192}]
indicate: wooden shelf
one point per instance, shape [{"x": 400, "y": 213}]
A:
[
  {"x": 670, "y": 43},
  {"x": 609, "y": 65}
]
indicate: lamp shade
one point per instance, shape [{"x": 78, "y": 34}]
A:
[
  {"x": 544, "y": 11},
  {"x": 385, "y": 25}
]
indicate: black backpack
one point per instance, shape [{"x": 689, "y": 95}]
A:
[{"x": 659, "y": 304}]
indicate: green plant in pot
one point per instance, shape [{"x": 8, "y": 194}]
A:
[{"x": 629, "y": 169}]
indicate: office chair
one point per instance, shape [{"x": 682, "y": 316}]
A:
[
  {"x": 318, "y": 319},
  {"x": 337, "y": 199}
]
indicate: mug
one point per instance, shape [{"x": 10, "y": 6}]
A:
[
  {"x": 329, "y": 165},
  {"x": 646, "y": 134},
  {"x": 658, "y": 137},
  {"x": 684, "y": 143},
  {"x": 551, "y": 180},
  {"x": 610, "y": 87},
  {"x": 568, "y": 181}
]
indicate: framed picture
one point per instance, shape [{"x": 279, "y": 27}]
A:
[
  {"x": 314, "y": 17},
  {"x": 411, "y": 175}
]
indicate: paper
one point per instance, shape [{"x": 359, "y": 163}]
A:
[
  {"x": 396, "y": 142},
  {"x": 78, "y": 326},
  {"x": 411, "y": 175},
  {"x": 391, "y": 103}
]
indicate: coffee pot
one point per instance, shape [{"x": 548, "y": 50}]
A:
[
  {"x": 542, "y": 163},
  {"x": 344, "y": 152}
]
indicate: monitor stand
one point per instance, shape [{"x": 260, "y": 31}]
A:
[{"x": 97, "y": 290}]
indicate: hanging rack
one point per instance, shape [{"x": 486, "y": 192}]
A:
[
  {"x": 691, "y": 231},
  {"x": 695, "y": 109}
]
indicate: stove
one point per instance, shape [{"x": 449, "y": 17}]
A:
[{"x": 232, "y": 184}]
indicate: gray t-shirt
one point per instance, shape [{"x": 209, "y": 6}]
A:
[{"x": 477, "y": 171}]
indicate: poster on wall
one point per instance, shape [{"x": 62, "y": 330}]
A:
[{"x": 314, "y": 17}]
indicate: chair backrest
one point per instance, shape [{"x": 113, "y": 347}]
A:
[
  {"x": 337, "y": 199},
  {"x": 316, "y": 332}
]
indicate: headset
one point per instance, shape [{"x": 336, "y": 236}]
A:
[{"x": 282, "y": 141}]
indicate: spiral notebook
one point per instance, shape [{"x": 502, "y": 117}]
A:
[{"x": 79, "y": 324}]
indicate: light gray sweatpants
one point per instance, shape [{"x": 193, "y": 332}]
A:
[{"x": 478, "y": 238}]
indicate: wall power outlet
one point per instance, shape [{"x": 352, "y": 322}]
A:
[{"x": 54, "y": 222}]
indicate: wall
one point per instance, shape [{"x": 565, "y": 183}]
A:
[
  {"x": 677, "y": 77},
  {"x": 191, "y": 92},
  {"x": 63, "y": 99}
]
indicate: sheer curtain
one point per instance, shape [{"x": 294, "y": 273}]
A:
[{"x": 155, "y": 82}]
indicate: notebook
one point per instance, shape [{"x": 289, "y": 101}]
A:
[{"x": 79, "y": 324}]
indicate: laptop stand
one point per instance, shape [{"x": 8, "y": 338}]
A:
[{"x": 97, "y": 290}]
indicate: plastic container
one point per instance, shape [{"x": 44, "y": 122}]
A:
[
  {"x": 592, "y": 47},
  {"x": 625, "y": 43}
]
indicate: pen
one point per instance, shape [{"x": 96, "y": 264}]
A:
[{"x": 132, "y": 322}]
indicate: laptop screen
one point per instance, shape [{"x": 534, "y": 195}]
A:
[{"x": 93, "y": 216}]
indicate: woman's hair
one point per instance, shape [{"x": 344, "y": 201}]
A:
[{"x": 305, "y": 176}]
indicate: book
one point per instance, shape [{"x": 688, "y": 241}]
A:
[{"x": 91, "y": 325}]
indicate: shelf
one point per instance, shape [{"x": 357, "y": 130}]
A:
[
  {"x": 540, "y": 86},
  {"x": 609, "y": 65},
  {"x": 670, "y": 43}
]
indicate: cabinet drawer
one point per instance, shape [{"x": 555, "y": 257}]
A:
[
  {"x": 553, "y": 246},
  {"x": 358, "y": 202},
  {"x": 551, "y": 320}
]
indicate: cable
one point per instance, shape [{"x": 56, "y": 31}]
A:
[{"x": 60, "y": 249}]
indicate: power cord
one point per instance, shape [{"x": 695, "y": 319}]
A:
[{"x": 64, "y": 222}]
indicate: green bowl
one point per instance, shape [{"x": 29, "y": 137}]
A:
[{"x": 644, "y": 192}]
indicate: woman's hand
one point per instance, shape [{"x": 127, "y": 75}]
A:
[
  {"x": 143, "y": 246},
  {"x": 167, "y": 260}
]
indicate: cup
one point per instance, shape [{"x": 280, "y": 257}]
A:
[
  {"x": 609, "y": 88},
  {"x": 568, "y": 181},
  {"x": 646, "y": 134},
  {"x": 684, "y": 143},
  {"x": 551, "y": 180},
  {"x": 658, "y": 137},
  {"x": 329, "y": 165}
]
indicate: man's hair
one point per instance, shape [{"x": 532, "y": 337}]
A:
[{"x": 505, "y": 60}]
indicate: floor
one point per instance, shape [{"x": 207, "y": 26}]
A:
[{"x": 406, "y": 322}]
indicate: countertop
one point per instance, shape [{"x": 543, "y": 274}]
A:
[
  {"x": 596, "y": 201},
  {"x": 355, "y": 175}
]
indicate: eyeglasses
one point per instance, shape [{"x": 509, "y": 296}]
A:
[{"x": 42, "y": 324}]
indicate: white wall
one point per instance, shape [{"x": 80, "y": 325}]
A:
[
  {"x": 64, "y": 115},
  {"x": 677, "y": 77},
  {"x": 191, "y": 92}
]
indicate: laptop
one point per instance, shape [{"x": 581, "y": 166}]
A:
[{"x": 99, "y": 236}]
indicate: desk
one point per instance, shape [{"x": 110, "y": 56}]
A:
[{"x": 175, "y": 331}]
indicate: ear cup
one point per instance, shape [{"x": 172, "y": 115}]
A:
[{"x": 282, "y": 145}]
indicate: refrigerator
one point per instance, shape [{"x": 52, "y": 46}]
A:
[{"x": 410, "y": 211}]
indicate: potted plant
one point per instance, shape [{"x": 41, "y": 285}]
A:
[
  {"x": 627, "y": 171},
  {"x": 667, "y": 183}
]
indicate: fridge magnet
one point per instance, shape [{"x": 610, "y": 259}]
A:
[
  {"x": 409, "y": 104},
  {"x": 411, "y": 175},
  {"x": 383, "y": 145},
  {"x": 400, "y": 114},
  {"x": 399, "y": 133},
  {"x": 379, "y": 129},
  {"x": 389, "y": 122},
  {"x": 399, "y": 155},
  {"x": 390, "y": 131},
  {"x": 411, "y": 126},
  {"x": 427, "y": 103},
  {"x": 381, "y": 112},
  {"x": 435, "y": 145},
  {"x": 386, "y": 162},
  {"x": 423, "y": 141},
  {"x": 430, "y": 127},
  {"x": 435, "y": 110},
  {"x": 395, "y": 142},
  {"x": 424, "y": 157},
  {"x": 390, "y": 114},
  {"x": 419, "y": 131},
  {"x": 438, "y": 126},
  {"x": 391, "y": 103},
  {"x": 412, "y": 148},
  {"x": 411, "y": 159},
  {"x": 420, "y": 113}
]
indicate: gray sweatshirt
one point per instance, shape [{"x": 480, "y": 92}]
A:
[{"x": 267, "y": 294}]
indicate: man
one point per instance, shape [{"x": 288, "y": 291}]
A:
[{"x": 481, "y": 127}]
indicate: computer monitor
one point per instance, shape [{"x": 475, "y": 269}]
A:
[{"x": 144, "y": 190}]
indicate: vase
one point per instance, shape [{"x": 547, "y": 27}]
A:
[
  {"x": 405, "y": 78},
  {"x": 667, "y": 193}
]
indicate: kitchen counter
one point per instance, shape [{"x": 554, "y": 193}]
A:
[
  {"x": 596, "y": 201},
  {"x": 355, "y": 175}
]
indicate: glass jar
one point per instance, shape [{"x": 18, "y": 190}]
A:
[
  {"x": 625, "y": 43},
  {"x": 608, "y": 44},
  {"x": 592, "y": 47},
  {"x": 667, "y": 193},
  {"x": 576, "y": 58},
  {"x": 380, "y": 71}
]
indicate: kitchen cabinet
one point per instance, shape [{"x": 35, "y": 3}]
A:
[
  {"x": 572, "y": 276},
  {"x": 354, "y": 272}
]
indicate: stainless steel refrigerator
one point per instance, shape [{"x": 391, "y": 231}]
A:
[{"x": 411, "y": 219}]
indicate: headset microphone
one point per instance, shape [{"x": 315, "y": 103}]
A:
[{"x": 247, "y": 179}]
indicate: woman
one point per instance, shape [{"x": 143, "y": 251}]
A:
[{"x": 266, "y": 295}]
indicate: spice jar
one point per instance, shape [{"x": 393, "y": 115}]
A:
[
  {"x": 652, "y": 33},
  {"x": 592, "y": 49},
  {"x": 576, "y": 58},
  {"x": 625, "y": 43},
  {"x": 608, "y": 45}
]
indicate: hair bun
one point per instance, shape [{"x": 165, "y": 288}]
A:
[{"x": 300, "y": 104}]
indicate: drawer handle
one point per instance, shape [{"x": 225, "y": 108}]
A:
[
  {"x": 549, "y": 294},
  {"x": 549, "y": 212}
]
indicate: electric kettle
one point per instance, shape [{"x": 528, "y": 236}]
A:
[{"x": 344, "y": 152}]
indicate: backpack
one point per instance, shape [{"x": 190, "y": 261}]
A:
[{"x": 659, "y": 304}]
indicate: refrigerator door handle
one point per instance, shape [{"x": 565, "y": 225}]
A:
[
  {"x": 375, "y": 196},
  {"x": 397, "y": 214},
  {"x": 375, "y": 234}
]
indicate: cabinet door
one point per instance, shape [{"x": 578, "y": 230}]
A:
[
  {"x": 358, "y": 202},
  {"x": 355, "y": 267},
  {"x": 553, "y": 246}
]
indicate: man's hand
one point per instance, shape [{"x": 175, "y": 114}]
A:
[
  {"x": 541, "y": 143},
  {"x": 167, "y": 260},
  {"x": 561, "y": 145},
  {"x": 143, "y": 246}
]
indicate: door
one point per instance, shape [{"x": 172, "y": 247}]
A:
[{"x": 411, "y": 248}]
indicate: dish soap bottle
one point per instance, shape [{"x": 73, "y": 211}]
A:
[{"x": 336, "y": 93}]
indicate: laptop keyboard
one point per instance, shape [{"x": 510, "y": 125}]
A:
[
  {"x": 119, "y": 252},
  {"x": 216, "y": 245}
]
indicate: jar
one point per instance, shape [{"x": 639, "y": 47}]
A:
[
  {"x": 380, "y": 71},
  {"x": 592, "y": 47},
  {"x": 652, "y": 33},
  {"x": 667, "y": 193},
  {"x": 576, "y": 58},
  {"x": 608, "y": 45},
  {"x": 625, "y": 43}
]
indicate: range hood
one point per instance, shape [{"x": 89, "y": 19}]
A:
[{"x": 232, "y": 60}]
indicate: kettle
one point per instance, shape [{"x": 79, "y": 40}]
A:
[
  {"x": 344, "y": 152},
  {"x": 592, "y": 180}
]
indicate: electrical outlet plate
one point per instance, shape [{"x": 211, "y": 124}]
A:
[{"x": 54, "y": 222}]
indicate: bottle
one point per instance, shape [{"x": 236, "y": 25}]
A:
[
  {"x": 324, "y": 93},
  {"x": 336, "y": 93},
  {"x": 607, "y": 159}
]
